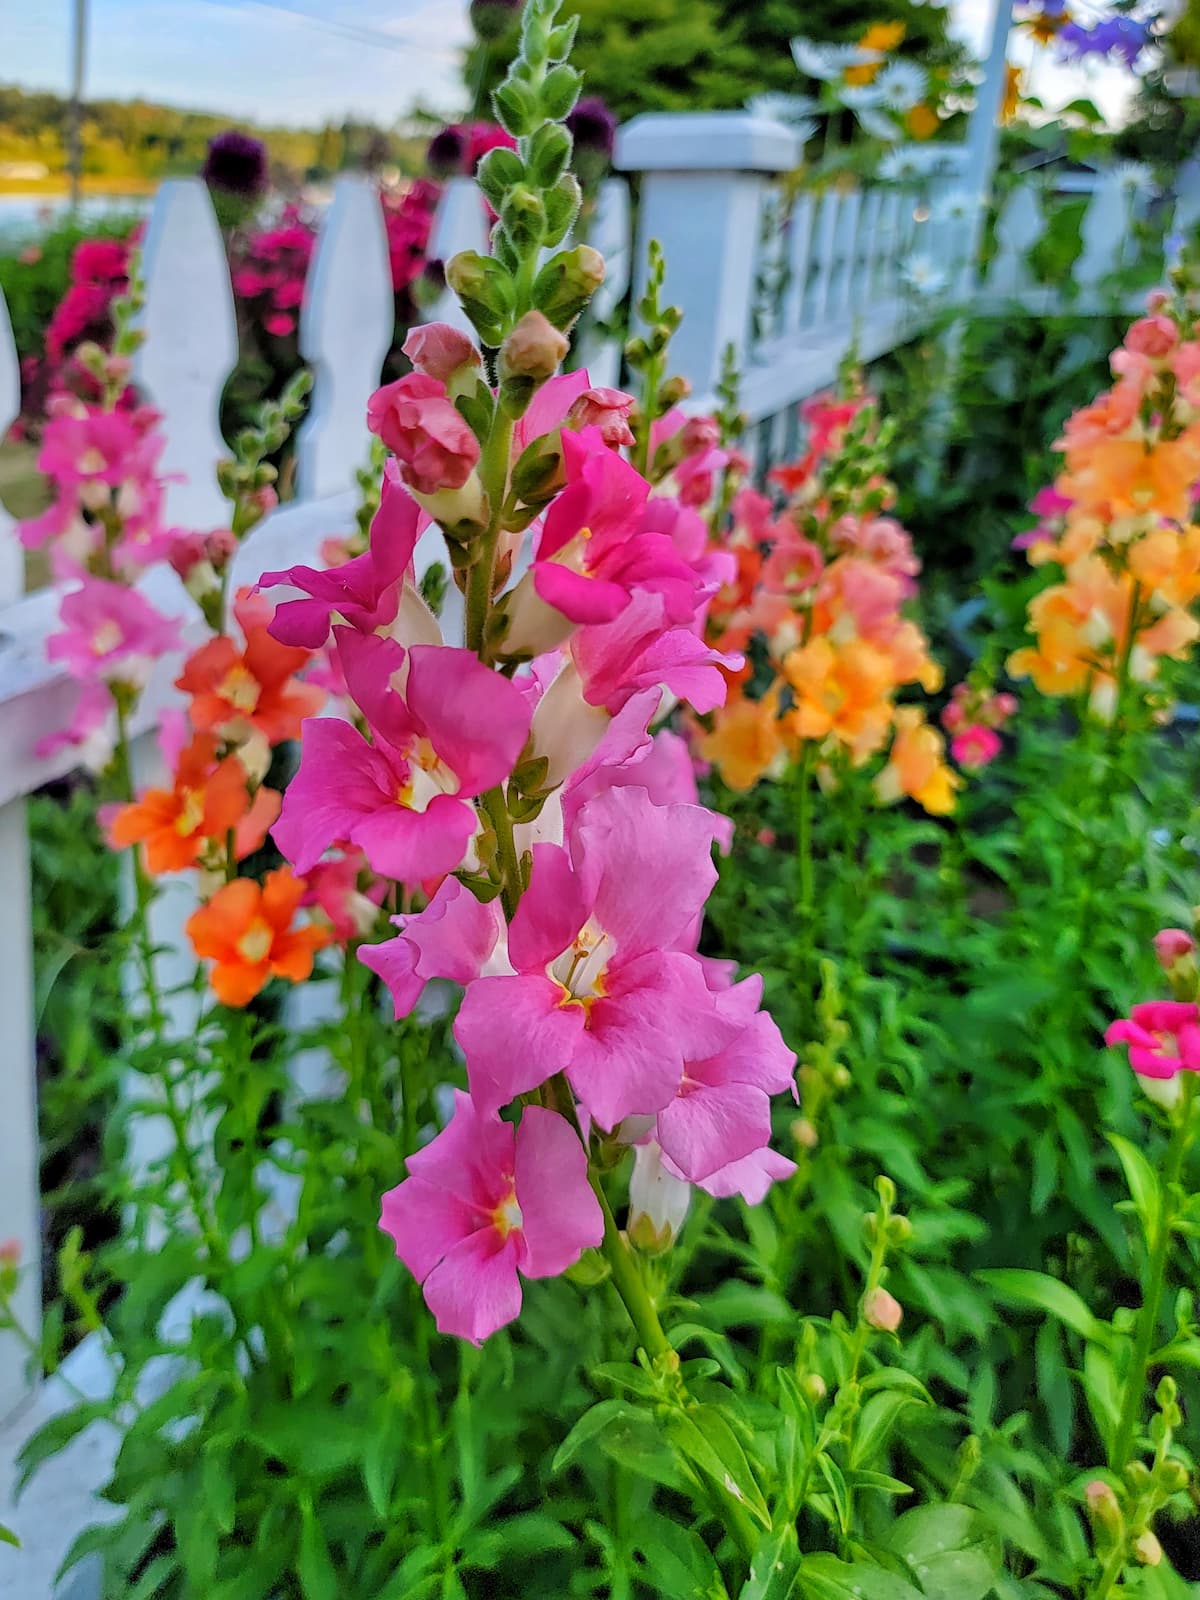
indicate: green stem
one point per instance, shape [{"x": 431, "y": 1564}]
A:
[
  {"x": 493, "y": 470},
  {"x": 805, "y": 892},
  {"x": 1113, "y": 1569},
  {"x": 1115, "y": 726},
  {"x": 495, "y": 803},
  {"x": 627, "y": 1279},
  {"x": 1147, "y": 1323}
]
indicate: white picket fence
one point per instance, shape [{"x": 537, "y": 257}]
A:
[{"x": 792, "y": 286}]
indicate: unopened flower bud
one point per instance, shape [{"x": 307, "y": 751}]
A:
[
  {"x": 1171, "y": 945},
  {"x": 10, "y": 1253},
  {"x": 567, "y": 282},
  {"x": 445, "y": 353},
  {"x": 606, "y": 409},
  {"x": 532, "y": 350},
  {"x": 1102, "y": 1504},
  {"x": 1154, "y": 336},
  {"x": 805, "y": 1134},
  {"x": 1147, "y": 1548},
  {"x": 813, "y": 1387},
  {"x": 1172, "y": 1475},
  {"x": 675, "y": 390},
  {"x": 700, "y": 434},
  {"x": 658, "y": 1201},
  {"x": 485, "y": 290},
  {"x": 882, "y": 1311},
  {"x": 900, "y": 1230}
]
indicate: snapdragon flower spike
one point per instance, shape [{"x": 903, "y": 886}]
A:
[
  {"x": 364, "y": 592},
  {"x": 599, "y": 989},
  {"x": 445, "y": 729},
  {"x": 485, "y": 1203},
  {"x": 1163, "y": 1037}
]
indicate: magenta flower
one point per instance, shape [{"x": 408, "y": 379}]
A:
[
  {"x": 112, "y": 633},
  {"x": 455, "y": 937},
  {"x": 1172, "y": 945},
  {"x": 975, "y": 746},
  {"x": 484, "y": 1204},
  {"x": 364, "y": 591},
  {"x": 441, "y": 351},
  {"x": 722, "y": 1112},
  {"x": 1163, "y": 1038},
  {"x": 591, "y": 554},
  {"x": 449, "y": 731},
  {"x": 418, "y": 422},
  {"x": 598, "y": 988},
  {"x": 100, "y": 448},
  {"x": 638, "y": 651}
]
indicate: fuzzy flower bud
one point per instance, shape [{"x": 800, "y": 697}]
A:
[
  {"x": 882, "y": 1311},
  {"x": 567, "y": 282},
  {"x": 417, "y": 421},
  {"x": 1171, "y": 945},
  {"x": 1147, "y": 1549},
  {"x": 444, "y": 353},
  {"x": 532, "y": 350},
  {"x": 1102, "y": 1504},
  {"x": 606, "y": 409}
]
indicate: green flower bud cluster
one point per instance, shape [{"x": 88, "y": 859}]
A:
[
  {"x": 243, "y": 477},
  {"x": 536, "y": 199}
]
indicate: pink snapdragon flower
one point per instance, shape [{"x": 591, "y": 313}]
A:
[
  {"x": 444, "y": 353},
  {"x": 1164, "y": 1040},
  {"x": 112, "y": 633},
  {"x": 1172, "y": 945},
  {"x": 365, "y": 591},
  {"x": 598, "y": 989},
  {"x": 96, "y": 451},
  {"x": 637, "y": 651},
  {"x": 445, "y": 729},
  {"x": 332, "y": 887},
  {"x": 418, "y": 422},
  {"x": 486, "y": 1203},
  {"x": 456, "y": 937},
  {"x": 722, "y": 1111},
  {"x": 606, "y": 409},
  {"x": 975, "y": 747}
]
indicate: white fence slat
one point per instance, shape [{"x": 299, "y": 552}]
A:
[
  {"x": 347, "y": 322},
  {"x": 1019, "y": 227},
  {"x": 827, "y": 237},
  {"x": 20, "y": 1206},
  {"x": 842, "y": 297},
  {"x": 887, "y": 260},
  {"x": 191, "y": 344},
  {"x": 460, "y": 223},
  {"x": 611, "y": 233},
  {"x": 800, "y": 235},
  {"x": 868, "y": 247},
  {"x": 1104, "y": 232}
]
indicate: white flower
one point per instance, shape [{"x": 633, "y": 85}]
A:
[
  {"x": 1134, "y": 177},
  {"x": 860, "y": 96},
  {"x": 900, "y": 165},
  {"x": 794, "y": 109},
  {"x": 877, "y": 124},
  {"x": 956, "y": 206},
  {"x": 921, "y": 276},
  {"x": 829, "y": 62},
  {"x": 902, "y": 85}
]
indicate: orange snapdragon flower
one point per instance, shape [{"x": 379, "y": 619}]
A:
[
  {"x": 242, "y": 693},
  {"x": 844, "y": 692},
  {"x": 916, "y": 765},
  {"x": 746, "y": 742},
  {"x": 246, "y": 931},
  {"x": 208, "y": 800}
]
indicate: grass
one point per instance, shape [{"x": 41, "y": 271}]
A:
[
  {"x": 55, "y": 184},
  {"x": 23, "y": 494}
]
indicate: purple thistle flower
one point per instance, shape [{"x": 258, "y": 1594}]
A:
[
  {"x": 593, "y": 126},
  {"x": 236, "y": 164},
  {"x": 447, "y": 152}
]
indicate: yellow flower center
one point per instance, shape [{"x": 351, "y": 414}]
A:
[
  {"x": 106, "y": 637},
  {"x": 255, "y": 944},
  {"x": 579, "y": 971},
  {"x": 191, "y": 811},
  {"x": 507, "y": 1218},
  {"x": 240, "y": 688}
]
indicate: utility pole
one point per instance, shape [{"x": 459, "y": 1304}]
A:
[{"x": 75, "y": 112}]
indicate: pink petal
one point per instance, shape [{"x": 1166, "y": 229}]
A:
[
  {"x": 476, "y": 720},
  {"x": 750, "y": 1177},
  {"x": 475, "y": 1289},
  {"x": 552, "y": 911},
  {"x": 515, "y": 1035},
  {"x": 577, "y": 597},
  {"x": 412, "y": 846},
  {"x": 425, "y": 1222},
  {"x": 561, "y": 1216},
  {"x": 341, "y": 781},
  {"x": 708, "y": 1128}
]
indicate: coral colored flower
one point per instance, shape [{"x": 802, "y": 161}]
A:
[
  {"x": 239, "y": 693},
  {"x": 598, "y": 988},
  {"x": 417, "y": 421},
  {"x": 246, "y": 931},
  {"x": 1172, "y": 945},
  {"x": 364, "y": 591},
  {"x": 442, "y": 352},
  {"x": 916, "y": 767},
  {"x": 209, "y": 800},
  {"x": 112, "y": 633},
  {"x": 486, "y": 1203},
  {"x": 450, "y": 730},
  {"x": 332, "y": 887}
]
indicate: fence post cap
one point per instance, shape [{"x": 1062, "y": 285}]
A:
[{"x": 706, "y": 141}]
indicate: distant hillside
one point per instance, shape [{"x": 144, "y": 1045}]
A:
[{"x": 137, "y": 139}]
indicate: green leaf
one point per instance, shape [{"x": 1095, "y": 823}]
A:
[
  {"x": 160, "y": 1571},
  {"x": 875, "y": 1424},
  {"x": 1142, "y": 1181},
  {"x": 1016, "y": 1285},
  {"x": 381, "y": 1458},
  {"x": 7, "y": 1536},
  {"x": 56, "y": 1435},
  {"x": 318, "y": 1579},
  {"x": 774, "y": 1567},
  {"x": 590, "y": 1425},
  {"x": 217, "y": 1477},
  {"x": 678, "y": 1561},
  {"x": 824, "y": 1577},
  {"x": 947, "y": 1550},
  {"x": 705, "y": 1437}
]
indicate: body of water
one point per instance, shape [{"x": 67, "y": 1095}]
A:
[{"x": 25, "y": 216}]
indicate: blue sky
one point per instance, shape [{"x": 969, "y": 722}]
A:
[{"x": 301, "y": 61}]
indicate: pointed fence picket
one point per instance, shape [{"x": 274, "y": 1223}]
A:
[{"x": 818, "y": 275}]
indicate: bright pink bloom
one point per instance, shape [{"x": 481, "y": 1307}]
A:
[
  {"x": 91, "y": 730},
  {"x": 332, "y": 886},
  {"x": 449, "y": 731},
  {"x": 550, "y": 408},
  {"x": 722, "y": 1112},
  {"x": 975, "y": 746},
  {"x": 606, "y": 409},
  {"x": 100, "y": 447},
  {"x": 637, "y": 651},
  {"x": 440, "y": 351},
  {"x": 591, "y": 554},
  {"x": 364, "y": 591},
  {"x": 418, "y": 422},
  {"x": 1163, "y": 1038},
  {"x": 598, "y": 990},
  {"x": 485, "y": 1201},
  {"x": 455, "y": 937},
  {"x": 1171, "y": 945},
  {"x": 279, "y": 324},
  {"x": 112, "y": 633}
]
